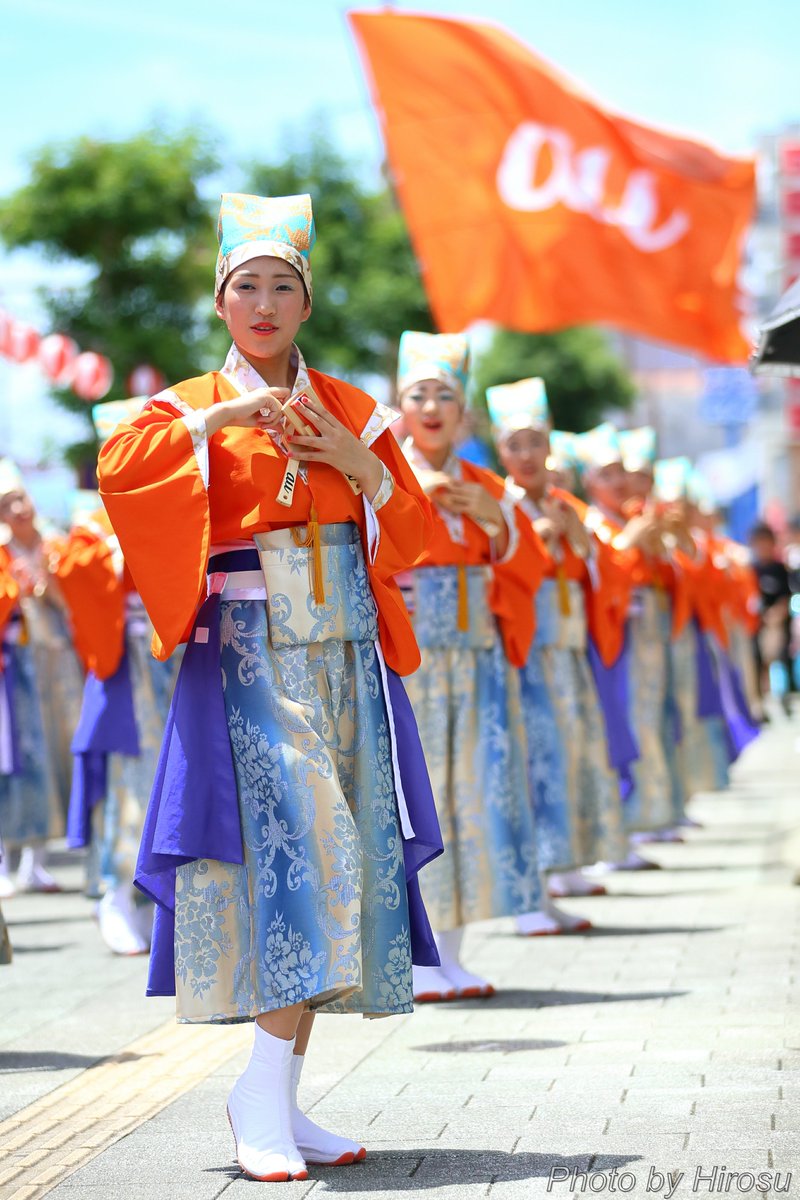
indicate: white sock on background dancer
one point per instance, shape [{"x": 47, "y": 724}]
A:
[
  {"x": 260, "y": 1112},
  {"x": 572, "y": 883},
  {"x": 32, "y": 875},
  {"x": 119, "y": 927},
  {"x": 430, "y": 985},
  {"x": 318, "y": 1145},
  {"x": 466, "y": 984},
  {"x": 7, "y": 886}
]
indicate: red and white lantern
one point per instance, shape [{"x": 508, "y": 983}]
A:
[
  {"x": 92, "y": 376},
  {"x": 145, "y": 380},
  {"x": 57, "y": 355},
  {"x": 5, "y": 333},
  {"x": 23, "y": 342}
]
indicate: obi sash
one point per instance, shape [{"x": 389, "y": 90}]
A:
[
  {"x": 450, "y": 607},
  {"x": 194, "y": 810}
]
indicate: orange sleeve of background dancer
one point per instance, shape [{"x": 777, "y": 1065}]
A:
[
  {"x": 9, "y": 591},
  {"x": 515, "y": 578},
  {"x": 155, "y": 495},
  {"x": 95, "y": 597},
  {"x": 406, "y": 529}
]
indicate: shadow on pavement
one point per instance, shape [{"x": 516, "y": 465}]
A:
[
  {"x": 8, "y": 913},
  {"x": 488, "y": 1046},
  {"x": 422, "y": 1169},
  {"x": 634, "y": 930},
  {"x": 12, "y": 1062},
  {"x": 528, "y": 998},
  {"x": 42, "y": 949}
]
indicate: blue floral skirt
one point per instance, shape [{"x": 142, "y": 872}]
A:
[
  {"x": 466, "y": 698},
  {"x": 28, "y": 802},
  {"x": 318, "y": 912}
]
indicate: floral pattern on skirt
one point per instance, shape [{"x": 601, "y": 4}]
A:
[
  {"x": 651, "y": 802},
  {"x": 318, "y": 912},
  {"x": 468, "y": 706},
  {"x": 28, "y": 802},
  {"x": 702, "y": 755},
  {"x": 118, "y": 822},
  {"x": 59, "y": 679},
  {"x": 547, "y": 767}
]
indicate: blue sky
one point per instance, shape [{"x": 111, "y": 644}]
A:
[{"x": 721, "y": 70}]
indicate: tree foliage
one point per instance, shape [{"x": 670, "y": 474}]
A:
[
  {"x": 583, "y": 377},
  {"x": 132, "y": 213}
]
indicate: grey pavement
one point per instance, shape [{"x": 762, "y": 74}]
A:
[{"x": 664, "y": 1042}]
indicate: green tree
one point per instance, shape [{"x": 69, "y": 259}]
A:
[
  {"x": 130, "y": 212},
  {"x": 367, "y": 287},
  {"x": 583, "y": 376}
]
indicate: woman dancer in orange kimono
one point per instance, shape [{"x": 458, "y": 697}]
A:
[{"x": 279, "y": 494}]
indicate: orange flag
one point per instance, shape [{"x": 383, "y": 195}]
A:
[{"x": 531, "y": 206}]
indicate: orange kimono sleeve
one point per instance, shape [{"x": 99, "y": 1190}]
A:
[
  {"x": 9, "y": 591},
  {"x": 515, "y": 581},
  {"x": 95, "y": 597},
  {"x": 154, "y": 488},
  {"x": 609, "y": 600},
  {"x": 406, "y": 527},
  {"x": 681, "y": 584}
]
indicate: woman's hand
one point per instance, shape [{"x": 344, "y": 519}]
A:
[
  {"x": 335, "y": 445},
  {"x": 574, "y": 529},
  {"x": 260, "y": 409}
]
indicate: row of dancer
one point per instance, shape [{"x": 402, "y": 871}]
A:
[
  {"x": 269, "y": 522},
  {"x": 577, "y": 685}
]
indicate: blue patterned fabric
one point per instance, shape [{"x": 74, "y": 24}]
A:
[
  {"x": 468, "y": 707},
  {"x": 440, "y": 356},
  {"x": 547, "y": 764},
  {"x": 318, "y": 911},
  {"x": 278, "y": 226},
  {"x": 130, "y": 777},
  {"x": 27, "y": 799},
  {"x": 652, "y": 804}
]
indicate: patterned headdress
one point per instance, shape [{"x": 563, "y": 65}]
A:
[
  {"x": 700, "y": 493},
  {"x": 671, "y": 478},
  {"x": 106, "y": 417},
  {"x": 598, "y": 447},
  {"x": 440, "y": 356},
  {"x": 563, "y": 451},
  {"x": 258, "y": 226},
  {"x": 521, "y": 405},
  {"x": 10, "y": 478},
  {"x": 638, "y": 448}
]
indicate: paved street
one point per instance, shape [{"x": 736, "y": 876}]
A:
[{"x": 664, "y": 1042}]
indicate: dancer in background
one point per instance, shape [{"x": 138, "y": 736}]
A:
[
  {"x": 9, "y": 744},
  {"x": 125, "y": 705},
  {"x": 636, "y": 542},
  {"x": 575, "y": 792},
  {"x": 471, "y": 599},
  {"x": 291, "y": 811},
  {"x": 46, "y": 686}
]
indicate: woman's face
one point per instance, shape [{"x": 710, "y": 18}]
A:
[
  {"x": 523, "y": 454},
  {"x": 608, "y": 487},
  {"x": 640, "y": 484},
  {"x": 16, "y": 509},
  {"x": 432, "y": 413},
  {"x": 263, "y": 303}
]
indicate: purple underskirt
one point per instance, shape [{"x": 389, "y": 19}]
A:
[
  {"x": 194, "y": 809},
  {"x": 8, "y": 684},
  {"x": 612, "y": 691},
  {"x": 107, "y": 725}
]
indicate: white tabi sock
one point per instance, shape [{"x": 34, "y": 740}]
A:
[
  {"x": 259, "y": 1110},
  {"x": 572, "y": 883},
  {"x": 32, "y": 875},
  {"x": 430, "y": 985},
  {"x": 318, "y": 1145},
  {"x": 448, "y": 943}
]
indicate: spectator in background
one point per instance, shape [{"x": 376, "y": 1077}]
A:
[{"x": 772, "y": 641}]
